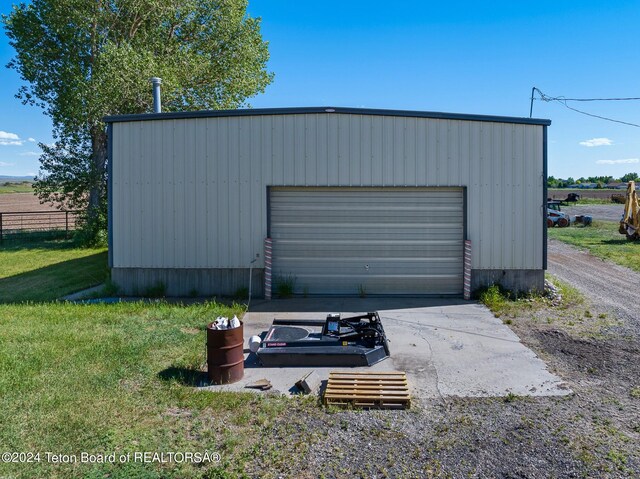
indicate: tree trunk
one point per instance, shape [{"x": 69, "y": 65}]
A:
[{"x": 98, "y": 163}]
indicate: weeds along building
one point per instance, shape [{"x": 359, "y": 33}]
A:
[{"x": 326, "y": 201}]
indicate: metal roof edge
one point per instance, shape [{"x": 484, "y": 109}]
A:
[{"x": 324, "y": 109}]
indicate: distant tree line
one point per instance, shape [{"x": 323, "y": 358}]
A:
[{"x": 600, "y": 181}]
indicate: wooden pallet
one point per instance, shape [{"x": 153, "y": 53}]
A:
[{"x": 388, "y": 390}]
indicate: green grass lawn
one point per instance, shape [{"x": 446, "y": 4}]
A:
[
  {"x": 602, "y": 240},
  {"x": 119, "y": 378},
  {"x": 48, "y": 270}
]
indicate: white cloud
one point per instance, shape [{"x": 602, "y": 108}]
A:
[
  {"x": 32, "y": 140},
  {"x": 597, "y": 142},
  {"x": 30, "y": 153},
  {"x": 626, "y": 161},
  {"x": 8, "y": 136},
  {"x": 9, "y": 139},
  {"x": 4, "y": 163}
]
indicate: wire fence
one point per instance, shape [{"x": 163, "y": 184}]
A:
[{"x": 19, "y": 224}]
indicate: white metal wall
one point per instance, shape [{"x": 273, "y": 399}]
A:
[{"x": 191, "y": 193}]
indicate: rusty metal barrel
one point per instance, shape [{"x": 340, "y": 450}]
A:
[{"x": 225, "y": 355}]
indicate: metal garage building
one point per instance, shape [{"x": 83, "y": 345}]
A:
[{"x": 341, "y": 200}]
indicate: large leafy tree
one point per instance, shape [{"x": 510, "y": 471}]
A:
[
  {"x": 84, "y": 59},
  {"x": 630, "y": 177}
]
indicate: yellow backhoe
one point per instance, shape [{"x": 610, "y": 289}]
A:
[{"x": 630, "y": 222}]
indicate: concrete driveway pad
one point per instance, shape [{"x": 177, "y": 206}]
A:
[{"x": 446, "y": 347}]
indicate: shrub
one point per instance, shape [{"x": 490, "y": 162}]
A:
[
  {"x": 494, "y": 297},
  {"x": 158, "y": 290},
  {"x": 285, "y": 286}
]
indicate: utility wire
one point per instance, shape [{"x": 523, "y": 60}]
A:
[
  {"x": 587, "y": 99},
  {"x": 563, "y": 101},
  {"x": 598, "y": 116},
  {"x": 545, "y": 97}
]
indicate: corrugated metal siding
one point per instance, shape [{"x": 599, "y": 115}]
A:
[
  {"x": 368, "y": 240},
  {"x": 191, "y": 193}
]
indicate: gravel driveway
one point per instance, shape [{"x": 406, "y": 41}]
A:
[
  {"x": 611, "y": 287},
  {"x": 611, "y": 212}
]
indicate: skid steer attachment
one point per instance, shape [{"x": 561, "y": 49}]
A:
[{"x": 335, "y": 341}]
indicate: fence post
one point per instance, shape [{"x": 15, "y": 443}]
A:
[
  {"x": 66, "y": 224},
  {"x": 0, "y": 228}
]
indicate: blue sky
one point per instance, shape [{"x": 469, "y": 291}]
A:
[{"x": 455, "y": 56}]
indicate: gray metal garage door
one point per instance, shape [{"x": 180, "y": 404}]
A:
[{"x": 368, "y": 240}]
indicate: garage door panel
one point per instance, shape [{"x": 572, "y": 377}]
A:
[
  {"x": 378, "y": 240},
  {"x": 337, "y": 193},
  {"x": 354, "y": 285},
  {"x": 290, "y": 259},
  {"x": 307, "y": 225},
  {"x": 368, "y": 216},
  {"x": 367, "y": 251},
  {"x": 365, "y": 213},
  {"x": 377, "y": 268},
  {"x": 356, "y": 254},
  {"x": 362, "y": 235}
]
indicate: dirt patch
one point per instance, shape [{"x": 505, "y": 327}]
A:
[{"x": 599, "y": 359}]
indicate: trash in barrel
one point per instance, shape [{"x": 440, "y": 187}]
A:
[{"x": 225, "y": 356}]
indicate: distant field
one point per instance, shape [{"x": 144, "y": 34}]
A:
[
  {"x": 12, "y": 202},
  {"x": 29, "y": 203},
  {"x": 560, "y": 194},
  {"x": 14, "y": 187}
]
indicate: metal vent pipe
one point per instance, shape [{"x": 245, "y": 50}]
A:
[{"x": 157, "y": 104}]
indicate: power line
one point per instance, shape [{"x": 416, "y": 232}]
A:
[
  {"x": 548, "y": 98},
  {"x": 563, "y": 101},
  {"x": 598, "y": 116}
]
